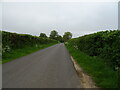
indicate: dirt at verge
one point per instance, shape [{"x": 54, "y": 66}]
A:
[{"x": 86, "y": 80}]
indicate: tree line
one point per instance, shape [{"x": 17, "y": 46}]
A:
[{"x": 54, "y": 35}]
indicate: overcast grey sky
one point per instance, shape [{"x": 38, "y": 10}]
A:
[
  {"x": 77, "y": 17},
  {"x": 0, "y": 16},
  {"x": 119, "y": 15}
]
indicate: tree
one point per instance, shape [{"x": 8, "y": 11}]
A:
[
  {"x": 59, "y": 38},
  {"x": 53, "y": 34},
  {"x": 43, "y": 35},
  {"x": 67, "y": 36}
]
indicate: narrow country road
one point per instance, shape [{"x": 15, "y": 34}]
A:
[{"x": 47, "y": 68}]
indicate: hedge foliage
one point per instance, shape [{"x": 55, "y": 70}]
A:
[
  {"x": 0, "y": 46},
  {"x": 11, "y": 41},
  {"x": 104, "y": 44}
]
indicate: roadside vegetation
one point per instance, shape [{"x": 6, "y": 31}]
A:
[
  {"x": 99, "y": 56},
  {"x": 17, "y": 53},
  {"x": 0, "y": 47},
  {"x": 17, "y": 45}
]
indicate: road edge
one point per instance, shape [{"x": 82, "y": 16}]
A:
[{"x": 85, "y": 80}]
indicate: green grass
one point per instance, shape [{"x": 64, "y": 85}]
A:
[
  {"x": 17, "y": 53},
  {"x": 101, "y": 73}
]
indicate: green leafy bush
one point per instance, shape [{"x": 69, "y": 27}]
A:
[
  {"x": 11, "y": 41},
  {"x": 104, "y": 44}
]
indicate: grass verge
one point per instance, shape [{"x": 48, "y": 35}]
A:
[
  {"x": 17, "y": 53},
  {"x": 102, "y": 75}
]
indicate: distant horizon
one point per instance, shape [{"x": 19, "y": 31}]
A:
[{"x": 56, "y": 30}]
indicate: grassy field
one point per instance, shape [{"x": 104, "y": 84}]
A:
[
  {"x": 17, "y": 53},
  {"x": 102, "y": 75}
]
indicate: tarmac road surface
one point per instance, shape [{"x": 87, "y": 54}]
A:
[{"x": 47, "y": 68}]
